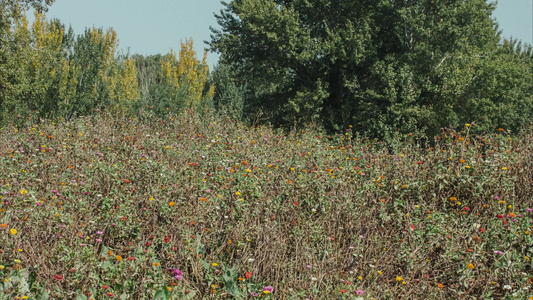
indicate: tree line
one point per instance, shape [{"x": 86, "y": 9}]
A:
[{"x": 380, "y": 66}]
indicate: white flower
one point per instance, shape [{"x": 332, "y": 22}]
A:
[{"x": 507, "y": 287}]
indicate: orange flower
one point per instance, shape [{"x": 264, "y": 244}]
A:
[
  {"x": 440, "y": 285},
  {"x": 3, "y": 225}
]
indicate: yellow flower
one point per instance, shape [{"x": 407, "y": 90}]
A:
[
  {"x": 467, "y": 125},
  {"x": 266, "y": 292},
  {"x": 398, "y": 278},
  {"x": 504, "y": 168},
  {"x": 237, "y": 193},
  {"x": 214, "y": 264},
  {"x": 13, "y": 231},
  {"x": 156, "y": 264},
  {"x": 171, "y": 203},
  {"x": 17, "y": 261},
  {"x": 118, "y": 257},
  {"x": 23, "y": 192},
  {"x": 510, "y": 206},
  {"x": 169, "y": 288},
  {"x": 453, "y": 198},
  {"x": 360, "y": 278},
  {"x": 470, "y": 266},
  {"x": 2, "y": 267},
  {"x": 379, "y": 272}
]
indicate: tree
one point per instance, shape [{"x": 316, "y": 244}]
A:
[
  {"x": 11, "y": 75},
  {"x": 380, "y": 65}
]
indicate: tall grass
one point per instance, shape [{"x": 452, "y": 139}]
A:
[{"x": 200, "y": 206}]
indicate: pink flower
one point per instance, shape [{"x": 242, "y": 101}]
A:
[{"x": 359, "y": 292}]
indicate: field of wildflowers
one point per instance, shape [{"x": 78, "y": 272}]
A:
[{"x": 200, "y": 206}]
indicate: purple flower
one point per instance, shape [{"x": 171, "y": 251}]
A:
[
  {"x": 268, "y": 288},
  {"x": 529, "y": 209},
  {"x": 99, "y": 232},
  {"x": 177, "y": 273},
  {"x": 498, "y": 252},
  {"x": 359, "y": 292}
]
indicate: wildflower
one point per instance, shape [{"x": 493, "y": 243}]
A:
[
  {"x": 131, "y": 258},
  {"x": 58, "y": 277},
  {"x": 248, "y": 275},
  {"x": 499, "y": 216},
  {"x": 470, "y": 266},
  {"x": 12, "y": 231},
  {"x": 171, "y": 203},
  {"x": 237, "y": 193},
  {"x": 481, "y": 230},
  {"x": 17, "y": 261},
  {"x": 342, "y": 291},
  {"x": 156, "y": 264},
  {"x": 109, "y": 294},
  {"x": 214, "y": 264},
  {"x": 268, "y": 289},
  {"x": 105, "y": 287},
  {"x": 361, "y": 277},
  {"x": 2, "y": 267},
  {"x": 359, "y": 292},
  {"x": 23, "y": 192},
  {"x": 118, "y": 257},
  {"x": 440, "y": 285},
  {"x": 398, "y": 278},
  {"x": 507, "y": 287},
  {"x": 167, "y": 239}
]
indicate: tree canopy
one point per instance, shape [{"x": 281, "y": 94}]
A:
[{"x": 379, "y": 65}]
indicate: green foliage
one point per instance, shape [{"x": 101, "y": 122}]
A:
[{"x": 378, "y": 65}]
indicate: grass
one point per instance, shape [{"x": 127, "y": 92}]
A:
[{"x": 200, "y": 206}]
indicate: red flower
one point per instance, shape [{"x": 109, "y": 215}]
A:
[
  {"x": 412, "y": 227},
  {"x": 167, "y": 239},
  {"x": 131, "y": 258},
  {"x": 467, "y": 208},
  {"x": 248, "y": 275},
  {"x": 109, "y": 294},
  {"x": 499, "y": 216},
  {"x": 105, "y": 287},
  {"x": 482, "y": 230},
  {"x": 58, "y": 277},
  {"x": 148, "y": 244},
  {"x": 343, "y": 291}
]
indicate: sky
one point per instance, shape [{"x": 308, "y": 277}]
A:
[{"x": 156, "y": 26}]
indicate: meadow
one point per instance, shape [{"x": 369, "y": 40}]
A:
[{"x": 199, "y": 206}]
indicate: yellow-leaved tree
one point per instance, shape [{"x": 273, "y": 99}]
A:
[{"x": 187, "y": 76}]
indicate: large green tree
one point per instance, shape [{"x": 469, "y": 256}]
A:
[
  {"x": 11, "y": 74},
  {"x": 380, "y": 65}
]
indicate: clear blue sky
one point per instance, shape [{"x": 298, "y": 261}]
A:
[{"x": 155, "y": 26}]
